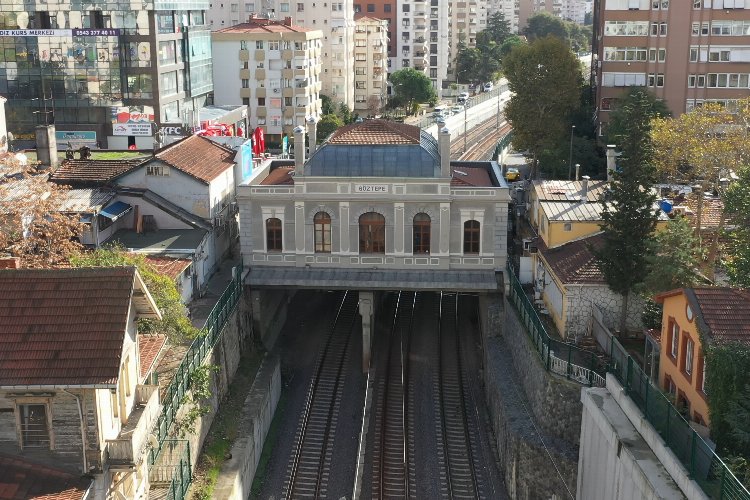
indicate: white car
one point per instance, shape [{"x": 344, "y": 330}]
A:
[
  {"x": 462, "y": 97},
  {"x": 457, "y": 109},
  {"x": 488, "y": 86}
]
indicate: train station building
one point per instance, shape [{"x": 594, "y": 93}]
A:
[{"x": 379, "y": 206}]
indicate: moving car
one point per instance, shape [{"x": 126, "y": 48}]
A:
[
  {"x": 512, "y": 174},
  {"x": 462, "y": 97},
  {"x": 488, "y": 86},
  {"x": 457, "y": 109}
]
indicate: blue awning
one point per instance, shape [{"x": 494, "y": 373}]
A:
[{"x": 116, "y": 210}]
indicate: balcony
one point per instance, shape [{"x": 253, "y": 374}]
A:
[{"x": 127, "y": 449}]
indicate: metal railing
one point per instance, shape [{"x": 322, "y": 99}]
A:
[
  {"x": 194, "y": 358},
  {"x": 558, "y": 357},
  {"x": 176, "y": 473},
  {"x": 703, "y": 465}
]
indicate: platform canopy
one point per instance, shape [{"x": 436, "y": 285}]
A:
[{"x": 383, "y": 279}]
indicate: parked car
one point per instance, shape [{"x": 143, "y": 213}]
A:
[
  {"x": 512, "y": 174},
  {"x": 462, "y": 97},
  {"x": 457, "y": 109},
  {"x": 488, "y": 86}
]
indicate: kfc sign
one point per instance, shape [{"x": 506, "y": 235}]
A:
[
  {"x": 132, "y": 114},
  {"x": 177, "y": 130}
]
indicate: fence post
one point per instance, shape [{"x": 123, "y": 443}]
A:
[
  {"x": 568, "y": 368},
  {"x": 693, "y": 446},
  {"x": 549, "y": 348},
  {"x": 666, "y": 427}
]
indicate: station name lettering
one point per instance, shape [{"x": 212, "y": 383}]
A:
[{"x": 370, "y": 188}]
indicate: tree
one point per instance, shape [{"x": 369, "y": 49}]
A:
[
  {"x": 328, "y": 125},
  {"x": 374, "y": 104},
  {"x": 737, "y": 208},
  {"x": 326, "y": 107},
  {"x": 628, "y": 213},
  {"x": 545, "y": 78},
  {"x": 468, "y": 64},
  {"x": 33, "y": 228},
  {"x": 618, "y": 117},
  {"x": 412, "y": 87},
  {"x": 675, "y": 259},
  {"x": 544, "y": 24},
  {"x": 702, "y": 146},
  {"x": 174, "y": 323},
  {"x": 497, "y": 30}
]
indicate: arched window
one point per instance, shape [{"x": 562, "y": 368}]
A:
[
  {"x": 371, "y": 233},
  {"x": 322, "y": 225},
  {"x": 471, "y": 237},
  {"x": 421, "y": 233},
  {"x": 273, "y": 235}
]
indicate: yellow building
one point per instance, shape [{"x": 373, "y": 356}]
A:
[{"x": 720, "y": 314}]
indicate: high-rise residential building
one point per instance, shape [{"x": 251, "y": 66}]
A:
[
  {"x": 370, "y": 64},
  {"x": 575, "y": 10},
  {"x": 468, "y": 18},
  {"x": 272, "y": 66},
  {"x": 381, "y": 9},
  {"x": 518, "y": 12},
  {"x": 508, "y": 8},
  {"x": 107, "y": 74},
  {"x": 685, "y": 53}
]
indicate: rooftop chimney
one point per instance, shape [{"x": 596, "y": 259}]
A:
[
  {"x": 299, "y": 150},
  {"x": 312, "y": 129},
  {"x": 10, "y": 262},
  {"x": 46, "y": 145},
  {"x": 444, "y": 145},
  {"x": 578, "y": 171},
  {"x": 288, "y": 21},
  {"x": 585, "y": 188},
  {"x": 611, "y": 161}
]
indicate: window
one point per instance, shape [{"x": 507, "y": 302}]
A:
[
  {"x": 657, "y": 55},
  {"x": 259, "y": 44},
  {"x": 675, "y": 338},
  {"x": 273, "y": 235},
  {"x": 322, "y": 230},
  {"x": 387, "y": 7},
  {"x": 567, "y": 226},
  {"x": 371, "y": 233},
  {"x": 471, "y": 237},
  {"x": 300, "y": 7},
  {"x": 33, "y": 422},
  {"x": 370, "y": 7},
  {"x": 660, "y": 80},
  {"x": 688, "y": 360},
  {"x": 245, "y": 83},
  {"x": 157, "y": 170},
  {"x": 114, "y": 402},
  {"x": 421, "y": 233},
  {"x": 243, "y": 44}
]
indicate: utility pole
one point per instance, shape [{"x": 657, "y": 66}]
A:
[
  {"x": 466, "y": 131},
  {"x": 570, "y": 157}
]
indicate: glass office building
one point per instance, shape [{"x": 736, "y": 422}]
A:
[{"x": 109, "y": 72}]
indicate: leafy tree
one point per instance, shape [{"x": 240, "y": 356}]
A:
[
  {"x": 498, "y": 30},
  {"x": 674, "y": 261},
  {"x": 327, "y": 106},
  {"x": 468, "y": 64},
  {"x": 509, "y": 43},
  {"x": 412, "y": 87},
  {"x": 628, "y": 213},
  {"x": 345, "y": 114},
  {"x": 738, "y": 419},
  {"x": 32, "y": 226},
  {"x": 727, "y": 366},
  {"x": 483, "y": 62},
  {"x": 737, "y": 207},
  {"x": 328, "y": 125},
  {"x": 174, "y": 323},
  {"x": 545, "y": 78},
  {"x": 618, "y": 117},
  {"x": 544, "y": 24}
]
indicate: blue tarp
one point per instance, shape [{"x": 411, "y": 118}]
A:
[{"x": 115, "y": 210}]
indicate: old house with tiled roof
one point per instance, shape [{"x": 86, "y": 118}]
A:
[
  {"x": 692, "y": 316},
  {"x": 74, "y": 395}
]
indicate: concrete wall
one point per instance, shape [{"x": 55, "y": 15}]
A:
[
  {"x": 270, "y": 309},
  {"x": 236, "y": 476},
  {"x": 534, "y": 414},
  {"x": 578, "y": 308}
]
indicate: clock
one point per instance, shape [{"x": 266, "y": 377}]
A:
[{"x": 689, "y": 312}]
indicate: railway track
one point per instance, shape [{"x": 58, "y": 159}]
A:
[
  {"x": 307, "y": 473},
  {"x": 482, "y": 150},
  {"x": 458, "y": 431},
  {"x": 393, "y": 464}
]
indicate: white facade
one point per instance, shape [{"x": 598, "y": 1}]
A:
[
  {"x": 370, "y": 64},
  {"x": 509, "y": 9},
  {"x": 275, "y": 71},
  {"x": 467, "y": 18},
  {"x": 575, "y": 10}
]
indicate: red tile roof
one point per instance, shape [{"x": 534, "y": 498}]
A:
[
  {"x": 376, "y": 132},
  {"x": 280, "y": 176},
  {"x": 470, "y": 177},
  {"x": 711, "y": 211},
  {"x": 63, "y": 326},
  {"x": 262, "y": 25},
  {"x": 149, "y": 347},
  {"x": 573, "y": 263},
  {"x": 724, "y": 312},
  {"x": 81, "y": 172},
  {"x": 168, "y": 266},
  {"x": 23, "y": 480},
  {"x": 198, "y": 156}
]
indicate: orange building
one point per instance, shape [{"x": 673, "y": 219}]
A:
[{"x": 716, "y": 314}]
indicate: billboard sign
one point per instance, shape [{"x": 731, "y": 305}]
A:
[
  {"x": 132, "y": 114},
  {"x": 76, "y": 138},
  {"x": 139, "y": 129},
  {"x": 51, "y": 32},
  {"x": 246, "y": 159}
]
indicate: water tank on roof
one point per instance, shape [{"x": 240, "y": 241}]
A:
[{"x": 666, "y": 206}]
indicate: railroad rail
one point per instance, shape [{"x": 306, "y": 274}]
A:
[
  {"x": 307, "y": 475},
  {"x": 394, "y": 444},
  {"x": 458, "y": 431},
  {"x": 482, "y": 150}
]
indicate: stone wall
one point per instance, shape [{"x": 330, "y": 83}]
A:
[
  {"x": 578, "y": 311},
  {"x": 269, "y": 310},
  {"x": 236, "y": 476},
  {"x": 536, "y": 415}
]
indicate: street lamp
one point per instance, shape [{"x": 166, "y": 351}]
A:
[
  {"x": 570, "y": 157},
  {"x": 466, "y": 106}
]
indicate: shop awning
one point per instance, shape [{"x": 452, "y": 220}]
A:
[{"x": 116, "y": 210}]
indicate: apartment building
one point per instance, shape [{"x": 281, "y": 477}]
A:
[
  {"x": 686, "y": 53},
  {"x": 370, "y": 64},
  {"x": 518, "y": 12},
  {"x": 575, "y": 10},
  {"x": 112, "y": 74},
  {"x": 385, "y": 10},
  {"x": 272, "y": 66},
  {"x": 467, "y": 19}
]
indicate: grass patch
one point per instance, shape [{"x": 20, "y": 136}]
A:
[
  {"x": 223, "y": 430},
  {"x": 95, "y": 155},
  {"x": 268, "y": 447}
]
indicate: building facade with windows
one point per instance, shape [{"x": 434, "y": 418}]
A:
[
  {"x": 370, "y": 64},
  {"x": 379, "y": 196},
  {"x": 686, "y": 53},
  {"x": 274, "y": 67},
  {"x": 692, "y": 316},
  {"x": 107, "y": 74}
]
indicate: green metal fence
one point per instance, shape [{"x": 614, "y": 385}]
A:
[
  {"x": 562, "y": 358},
  {"x": 703, "y": 465},
  {"x": 195, "y": 357},
  {"x": 174, "y": 469}
]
